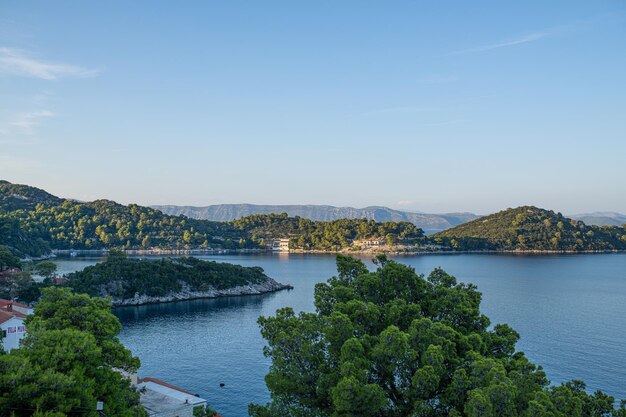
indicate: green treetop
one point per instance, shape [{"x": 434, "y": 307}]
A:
[
  {"x": 392, "y": 343},
  {"x": 68, "y": 361},
  {"x": 46, "y": 269},
  {"x": 8, "y": 259}
]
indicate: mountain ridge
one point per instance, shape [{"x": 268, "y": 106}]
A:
[
  {"x": 429, "y": 222},
  {"x": 601, "y": 218}
]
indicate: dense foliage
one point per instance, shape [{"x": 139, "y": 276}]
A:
[
  {"x": 106, "y": 224},
  {"x": 334, "y": 235},
  {"x": 391, "y": 343},
  {"x": 21, "y": 243},
  {"x": 121, "y": 277},
  {"x": 531, "y": 228},
  {"x": 32, "y": 222},
  {"x": 20, "y": 197},
  {"x": 69, "y": 360},
  {"x": 8, "y": 259}
]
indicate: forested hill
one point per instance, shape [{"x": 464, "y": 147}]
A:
[
  {"x": 226, "y": 212},
  {"x": 532, "y": 228},
  {"x": 18, "y": 196},
  {"x": 32, "y": 222},
  {"x": 49, "y": 222},
  {"x": 45, "y": 222},
  {"x": 140, "y": 281},
  {"x": 335, "y": 235}
]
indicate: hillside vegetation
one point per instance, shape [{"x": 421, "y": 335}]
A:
[
  {"x": 20, "y": 197},
  {"x": 335, "y": 235},
  {"x": 121, "y": 277},
  {"x": 36, "y": 222},
  {"x": 531, "y": 228},
  {"x": 32, "y": 222},
  {"x": 48, "y": 222}
]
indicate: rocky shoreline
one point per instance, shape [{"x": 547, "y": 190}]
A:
[{"x": 186, "y": 294}]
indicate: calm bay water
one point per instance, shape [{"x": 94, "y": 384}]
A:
[{"x": 569, "y": 309}]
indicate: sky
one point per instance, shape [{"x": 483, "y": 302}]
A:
[{"x": 416, "y": 105}]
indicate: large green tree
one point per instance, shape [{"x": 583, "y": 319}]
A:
[
  {"x": 46, "y": 269},
  {"x": 392, "y": 343},
  {"x": 8, "y": 259},
  {"x": 69, "y": 360}
]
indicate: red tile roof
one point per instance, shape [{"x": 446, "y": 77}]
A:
[
  {"x": 4, "y": 303},
  {"x": 5, "y": 316}
]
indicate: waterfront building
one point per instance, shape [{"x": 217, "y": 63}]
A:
[{"x": 281, "y": 245}]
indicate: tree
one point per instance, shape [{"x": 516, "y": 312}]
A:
[
  {"x": 68, "y": 361},
  {"x": 391, "y": 343},
  {"x": 45, "y": 268},
  {"x": 8, "y": 259}
]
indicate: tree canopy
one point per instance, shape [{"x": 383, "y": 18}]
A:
[
  {"x": 122, "y": 277},
  {"x": 45, "y": 268},
  {"x": 326, "y": 235},
  {"x": 8, "y": 259},
  {"x": 392, "y": 343},
  {"x": 531, "y": 228},
  {"x": 69, "y": 360}
]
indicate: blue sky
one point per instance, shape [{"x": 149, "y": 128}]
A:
[{"x": 430, "y": 106}]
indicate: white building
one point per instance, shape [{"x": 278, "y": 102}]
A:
[
  {"x": 12, "y": 326},
  {"x": 370, "y": 242},
  {"x": 281, "y": 245},
  {"x": 166, "y": 400}
]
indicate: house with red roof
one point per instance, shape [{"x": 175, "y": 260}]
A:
[{"x": 12, "y": 327}]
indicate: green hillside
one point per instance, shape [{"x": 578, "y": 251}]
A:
[
  {"x": 121, "y": 277},
  {"x": 36, "y": 222},
  {"x": 24, "y": 197},
  {"x": 333, "y": 235},
  {"x": 531, "y": 228},
  {"x": 32, "y": 222}
]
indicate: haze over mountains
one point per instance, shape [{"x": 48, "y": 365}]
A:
[
  {"x": 601, "y": 218},
  {"x": 430, "y": 223}
]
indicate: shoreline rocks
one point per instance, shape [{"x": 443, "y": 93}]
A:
[{"x": 186, "y": 294}]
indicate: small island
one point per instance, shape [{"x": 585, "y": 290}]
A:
[{"x": 142, "y": 281}]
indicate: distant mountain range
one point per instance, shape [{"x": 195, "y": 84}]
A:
[
  {"x": 430, "y": 223},
  {"x": 601, "y": 218}
]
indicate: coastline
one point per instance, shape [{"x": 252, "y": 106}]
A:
[
  {"x": 186, "y": 294},
  {"x": 395, "y": 252}
]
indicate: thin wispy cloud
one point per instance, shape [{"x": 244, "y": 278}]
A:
[
  {"x": 22, "y": 124},
  {"x": 533, "y": 37},
  {"x": 26, "y": 122},
  {"x": 17, "y": 62}
]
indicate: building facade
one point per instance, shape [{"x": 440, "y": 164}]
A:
[
  {"x": 281, "y": 245},
  {"x": 12, "y": 327}
]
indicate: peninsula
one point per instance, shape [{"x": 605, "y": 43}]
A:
[{"x": 141, "y": 281}]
